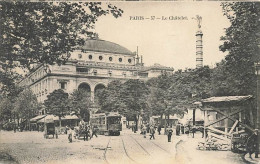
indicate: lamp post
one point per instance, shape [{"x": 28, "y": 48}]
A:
[{"x": 257, "y": 70}]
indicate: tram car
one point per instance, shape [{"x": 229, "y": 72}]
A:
[{"x": 107, "y": 123}]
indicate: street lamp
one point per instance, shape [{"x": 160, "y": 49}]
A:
[{"x": 257, "y": 70}]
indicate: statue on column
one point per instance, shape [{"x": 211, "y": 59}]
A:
[{"x": 199, "y": 20}]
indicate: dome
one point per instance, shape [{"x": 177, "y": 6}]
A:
[{"x": 105, "y": 46}]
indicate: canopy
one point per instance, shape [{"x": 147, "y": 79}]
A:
[
  {"x": 48, "y": 119},
  {"x": 70, "y": 117},
  {"x": 52, "y": 118},
  {"x": 226, "y": 99},
  {"x": 35, "y": 119}
]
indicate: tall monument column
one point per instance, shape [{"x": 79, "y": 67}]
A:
[{"x": 199, "y": 45}]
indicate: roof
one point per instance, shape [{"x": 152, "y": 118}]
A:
[
  {"x": 226, "y": 99},
  {"x": 37, "y": 118},
  {"x": 105, "y": 46},
  {"x": 52, "y": 118},
  {"x": 109, "y": 114},
  {"x": 49, "y": 119},
  {"x": 157, "y": 66}
]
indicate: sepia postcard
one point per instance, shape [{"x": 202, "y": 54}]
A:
[{"x": 121, "y": 82}]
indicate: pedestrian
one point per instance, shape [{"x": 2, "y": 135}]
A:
[
  {"x": 141, "y": 127},
  {"x": 159, "y": 129},
  {"x": 182, "y": 129},
  {"x": 133, "y": 127},
  {"x": 144, "y": 131},
  {"x": 70, "y": 135},
  {"x": 94, "y": 131},
  {"x": 66, "y": 129},
  {"x": 193, "y": 129},
  {"x": 152, "y": 131},
  {"x": 251, "y": 145},
  {"x": 148, "y": 128},
  {"x": 178, "y": 128},
  {"x": 14, "y": 128},
  {"x": 169, "y": 133}
]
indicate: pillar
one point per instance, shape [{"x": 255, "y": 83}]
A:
[{"x": 199, "y": 49}]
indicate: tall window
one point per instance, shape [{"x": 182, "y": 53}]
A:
[{"x": 63, "y": 85}]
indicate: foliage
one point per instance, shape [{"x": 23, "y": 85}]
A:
[
  {"x": 134, "y": 97},
  {"x": 8, "y": 84},
  {"x": 127, "y": 98},
  {"x": 46, "y": 32},
  {"x": 173, "y": 94},
  {"x": 57, "y": 103},
  {"x": 6, "y": 107},
  {"x": 109, "y": 98},
  {"x": 236, "y": 73},
  {"x": 26, "y": 105},
  {"x": 80, "y": 102}
]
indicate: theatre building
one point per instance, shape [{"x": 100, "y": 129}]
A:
[{"x": 100, "y": 63}]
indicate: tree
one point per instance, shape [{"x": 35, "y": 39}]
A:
[
  {"x": 6, "y": 107},
  {"x": 81, "y": 103},
  {"x": 109, "y": 99},
  {"x": 134, "y": 98},
  {"x": 46, "y": 32},
  {"x": 26, "y": 106},
  {"x": 240, "y": 41},
  {"x": 57, "y": 103}
]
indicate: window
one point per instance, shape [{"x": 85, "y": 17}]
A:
[
  {"x": 129, "y": 61},
  {"x": 124, "y": 74},
  {"x": 90, "y": 57},
  {"x": 100, "y": 57},
  {"x": 95, "y": 72},
  {"x": 82, "y": 70},
  {"x": 63, "y": 85},
  {"x": 120, "y": 59},
  {"x": 80, "y": 56},
  {"x": 110, "y": 73},
  {"x": 110, "y": 58}
]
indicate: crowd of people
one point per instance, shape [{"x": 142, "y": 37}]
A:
[
  {"x": 84, "y": 130},
  {"x": 151, "y": 129}
]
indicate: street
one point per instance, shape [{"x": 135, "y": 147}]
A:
[{"x": 129, "y": 147}]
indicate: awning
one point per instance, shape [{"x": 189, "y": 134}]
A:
[
  {"x": 70, "y": 117},
  {"x": 37, "y": 118},
  {"x": 48, "y": 119},
  {"x": 52, "y": 118},
  {"x": 226, "y": 99}
]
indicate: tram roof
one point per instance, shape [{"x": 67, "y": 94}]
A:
[{"x": 109, "y": 114}]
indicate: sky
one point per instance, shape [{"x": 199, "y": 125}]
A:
[{"x": 170, "y": 43}]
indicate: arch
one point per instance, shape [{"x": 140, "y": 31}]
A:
[
  {"x": 84, "y": 86},
  {"x": 99, "y": 86}
]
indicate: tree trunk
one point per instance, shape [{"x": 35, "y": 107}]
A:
[
  {"x": 194, "y": 116},
  {"x": 164, "y": 124},
  {"x": 168, "y": 121},
  {"x": 60, "y": 124},
  {"x": 136, "y": 122},
  {"x": 18, "y": 121},
  {"x": 161, "y": 120}
]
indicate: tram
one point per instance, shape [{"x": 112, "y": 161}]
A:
[{"x": 107, "y": 123}]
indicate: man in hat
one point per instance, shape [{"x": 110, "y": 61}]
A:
[{"x": 152, "y": 131}]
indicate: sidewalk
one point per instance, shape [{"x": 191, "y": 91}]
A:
[
  {"x": 253, "y": 159},
  {"x": 187, "y": 153}
]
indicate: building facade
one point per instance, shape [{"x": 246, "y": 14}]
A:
[{"x": 99, "y": 63}]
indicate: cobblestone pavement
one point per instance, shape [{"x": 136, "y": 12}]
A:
[{"x": 129, "y": 147}]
